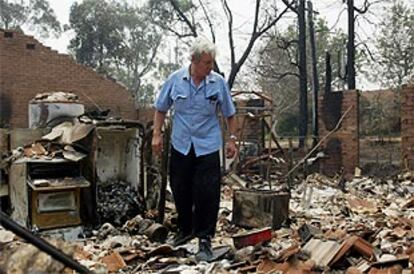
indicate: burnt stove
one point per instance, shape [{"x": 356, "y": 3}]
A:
[{"x": 45, "y": 194}]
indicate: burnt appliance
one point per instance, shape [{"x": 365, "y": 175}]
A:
[
  {"x": 45, "y": 194},
  {"x": 260, "y": 208}
]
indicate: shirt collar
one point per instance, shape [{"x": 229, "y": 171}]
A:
[{"x": 186, "y": 75}]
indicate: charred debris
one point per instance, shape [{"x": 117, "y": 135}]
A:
[{"x": 81, "y": 193}]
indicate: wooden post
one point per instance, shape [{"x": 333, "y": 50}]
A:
[{"x": 164, "y": 172}]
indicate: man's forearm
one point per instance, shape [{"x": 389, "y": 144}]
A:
[
  {"x": 159, "y": 118},
  {"x": 232, "y": 124}
]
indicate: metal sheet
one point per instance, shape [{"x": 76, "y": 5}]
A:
[
  {"x": 54, "y": 219},
  {"x": 18, "y": 194},
  {"x": 118, "y": 155},
  {"x": 322, "y": 252},
  {"x": 56, "y": 201},
  {"x": 68, "y": 133},
  {"x": 43, "y": 114},
  {"x": 59, "y": 184},
  {"x": 258, "y": 209}
]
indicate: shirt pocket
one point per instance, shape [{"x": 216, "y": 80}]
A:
[
  {"x": 180, "y": 100},
  {"x": 213, "y": 100}
]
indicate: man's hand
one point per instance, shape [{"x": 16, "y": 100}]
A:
[
  {"x": 157, "y": 143},
  {"x": 231, "y": 149}
]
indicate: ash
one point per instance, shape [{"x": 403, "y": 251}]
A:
[{"x": 118, "y": 202}]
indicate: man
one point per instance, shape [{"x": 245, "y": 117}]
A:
[{"x": 196, "y": 93}]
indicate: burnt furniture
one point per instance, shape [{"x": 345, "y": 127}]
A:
[{"x": 45, "y": 194}]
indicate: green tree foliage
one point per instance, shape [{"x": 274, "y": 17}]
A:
[
  {"x": 34, "y": 14},
  {"x": 115, "y": 38},
  {"x": 98, "y": 28},
  {"x": 277, "y": 69},
  {"x": 393, "y": 63}
]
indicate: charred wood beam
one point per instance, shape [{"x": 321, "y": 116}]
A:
[
  {"x": 328, "y": 74},
  {"x": 303, "y": 96},
  {"x": 315, "y": 80},
  {"x": 351, "y": 45}
]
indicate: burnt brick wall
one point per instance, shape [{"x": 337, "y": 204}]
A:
[
  {"x": 27, "y": 68},
  {"x": 341, "y": 147},
  {"x": 146, "y": 114},
  {"x": 407, "y": 126}
]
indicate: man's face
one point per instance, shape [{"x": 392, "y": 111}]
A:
[{"x": 203, "y": 66}]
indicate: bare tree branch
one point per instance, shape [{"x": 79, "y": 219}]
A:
[
  {"x": 230, "y": 31},
  {"x": 267, "y": 22},
  {"x": 184, "y": 18},
  {"x": 283, "y": 75},
  {"x": 179, "y": 35},
  {"x": 290, "y": 5},
  {"x": 210, "y": 24},
  {"x": 272, "y": 23},
  {"x": 284, "y": 44},
  {"x": 364, "y": 9},
  {"x": 256, "y": 19},
  {"x": 337, "y": 19},
  {"x": 151, "y": 60},
  {"x": 254, "y": 36},
  {"x": 368, "y": 50}
]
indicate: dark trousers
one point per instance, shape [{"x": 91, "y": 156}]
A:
[{"x": 195, "y": 184}]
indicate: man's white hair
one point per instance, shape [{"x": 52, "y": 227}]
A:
[{"x": 201, "y": 45}]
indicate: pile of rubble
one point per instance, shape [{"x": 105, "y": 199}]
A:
[
  {"x": 60, "y": 143},
  {"x": 362, "y": 226},
  {"x": 56, "y": 96}
]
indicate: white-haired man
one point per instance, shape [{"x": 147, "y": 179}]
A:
[{"x": 196, "y": 94}]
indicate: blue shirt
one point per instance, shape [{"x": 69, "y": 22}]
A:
[{"x": 195, "y": 109}]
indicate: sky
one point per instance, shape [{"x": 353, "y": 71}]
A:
[
  {"x": 330, "y": 9},
  {"x": 334, "y": 11}
]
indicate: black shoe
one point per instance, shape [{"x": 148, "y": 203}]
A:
[
  {"x": 205, "y": 252},
  {"x": 181, "y": 238}
]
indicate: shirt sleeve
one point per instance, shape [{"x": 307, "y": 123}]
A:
[
  {"x": 227, "y": 106},
  {"x": 164, "y": 101}
]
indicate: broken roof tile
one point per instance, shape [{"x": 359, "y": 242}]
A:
[{"x": 114, "y": 261}]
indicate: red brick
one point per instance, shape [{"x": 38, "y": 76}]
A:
[{"x": 26, "y": 73}]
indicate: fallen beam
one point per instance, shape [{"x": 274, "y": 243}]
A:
[{"x": 11, "y": 225}]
